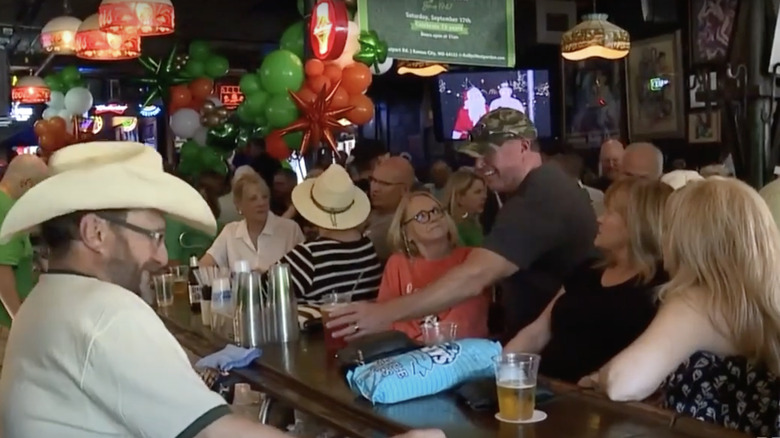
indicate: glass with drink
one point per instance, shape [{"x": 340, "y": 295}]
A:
[
  {"x": 330, "y": 303},
  {"x": 179, "y": 274},
  {"x": 516, "y": 381},
  {"x": 163, "y": 289}
]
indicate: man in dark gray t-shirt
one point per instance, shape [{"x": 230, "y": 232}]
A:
[{"x": 543, "y": 232}]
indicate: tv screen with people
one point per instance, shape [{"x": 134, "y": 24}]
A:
[{"x": 464, "y": 97}]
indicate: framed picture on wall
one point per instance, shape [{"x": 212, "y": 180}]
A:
[
  {"x": 704, "y": 127},
  {"x": 594, "y": 107},
  {"x": 656, "y": 103},
  {"x": 712, "y": 25},
  {"x": 697, "y": 84},
  {"x": 553, "y": 19}
]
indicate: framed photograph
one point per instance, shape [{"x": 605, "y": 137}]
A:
[
  {"x": 594, "y": 107},
  {"x": 695, "y": 87},
  {"x": 704, "y": 127},
  {"x": 712, "y": 29},
  {"x": 656, "y": 104},
  {"x": 553, "y": 19}
]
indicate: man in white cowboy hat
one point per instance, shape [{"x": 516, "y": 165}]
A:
[{"x": 86, "y": 356}]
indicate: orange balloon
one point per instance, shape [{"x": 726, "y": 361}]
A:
[
  {"x": 180, "y": 96},
  {"x": 276, "y": 147},
  {"x": 317, "y": 83},
  {"x": 356, "y": 78},
  {"x": 58, "y": 124},
  {"x": 48, "y": 142},
  {"x": 195, "y": 104},
  {"x": 202, "y": 88},
  {"x": 340, "y": 99},
  {"x": 332, "y": 72},
  {"x": 314, "y": 67},
  {"x": 41, "y": 127},
  {"x": 306, "y": 95},
  {"x": 363, "y": 110}
]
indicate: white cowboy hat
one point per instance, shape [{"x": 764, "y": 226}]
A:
[
  {"x": 107, "y": 175},
  {"x": 677, "y": 179},
  {"x": 331, "y": 201}
]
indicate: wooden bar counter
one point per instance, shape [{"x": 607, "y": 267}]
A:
[{"x": 301, "y": 375}]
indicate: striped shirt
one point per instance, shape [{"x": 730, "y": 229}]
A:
[{"x": 324, "y": 266}]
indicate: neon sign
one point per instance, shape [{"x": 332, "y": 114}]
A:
[
  {"x": 328, "y": 29},
  {"x": 114, "y": 108},
  {"x": 149, "y": 111},
  {"x": 21, "y": 113},
  {"x": 230, "y": 96}
]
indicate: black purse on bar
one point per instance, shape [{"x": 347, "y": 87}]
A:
[{"x": 371, "y": 348}]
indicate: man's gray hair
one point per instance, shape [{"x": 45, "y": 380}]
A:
[{"x": 649, "y": 147}]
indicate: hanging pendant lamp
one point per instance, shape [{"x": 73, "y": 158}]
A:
[
  {"x": 137, "y": 17},
  {"x": 595, "y": 37},
  {"x": 30, "y": 90},
  {"x": 59, "y": 35},
  {"x": 93, "y": 43}
]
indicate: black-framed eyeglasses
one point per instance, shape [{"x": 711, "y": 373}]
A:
[
  {"x": 425, "y": 216},
  {"x": 157, "y": 237}
]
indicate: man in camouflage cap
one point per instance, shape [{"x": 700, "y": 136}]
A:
[{"x": 543, "y": 232}]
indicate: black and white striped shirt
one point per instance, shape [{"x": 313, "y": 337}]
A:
[{"x": 324, "y": 266}]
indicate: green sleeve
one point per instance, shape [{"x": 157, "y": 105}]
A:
[
  {"x": 13, "y": 251},
  {"x": 470, "y": 234}
]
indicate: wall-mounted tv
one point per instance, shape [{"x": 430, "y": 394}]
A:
[{"x": 464, "y": 97}]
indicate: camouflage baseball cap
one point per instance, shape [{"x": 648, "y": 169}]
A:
[{"x": 496, "y": 127}]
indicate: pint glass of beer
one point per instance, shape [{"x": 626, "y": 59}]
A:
[
  {"x": 516, "y": 380},
  {"x": 329, "y": 303}
]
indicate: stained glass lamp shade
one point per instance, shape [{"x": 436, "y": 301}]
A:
[
  {"x": 59, "y": 35},
  {"x": 595, "y": 37},
  {"x": 93, "y": 43},
  {"x": 30, "y": 90},
  {"x": 137, "y": 17}
]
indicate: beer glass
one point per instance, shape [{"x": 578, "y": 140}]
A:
[
  {"x": 516, "y": 381},
  {"x": 179, "y": 274},
  {"x": 330, "y": 303},
  {"x": 163, "y": 289},
  {"x": 437, "y": 333}
]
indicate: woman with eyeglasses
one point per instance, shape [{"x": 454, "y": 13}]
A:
[{"x": 425, "y": 244}]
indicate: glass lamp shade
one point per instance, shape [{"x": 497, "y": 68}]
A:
[
  {"x": 422, "y": 69},
  {"x": 59, "y": 35},
  {"x": 595, "y": 37},
  {"x": 137, "y": 17},
  {"x": 93, "y": 43},
  {"x": 31, "y": 90}
]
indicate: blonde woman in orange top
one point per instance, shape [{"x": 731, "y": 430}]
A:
[{"x": 425, "y": 244}]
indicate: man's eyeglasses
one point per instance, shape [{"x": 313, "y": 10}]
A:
[
  {"x": 156, "y": 237},
  {"x": 425, "y": 216}
]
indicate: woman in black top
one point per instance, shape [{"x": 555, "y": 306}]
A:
[{"x": 603, "y": 308}]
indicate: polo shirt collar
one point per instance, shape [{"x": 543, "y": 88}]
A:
[{"x": 271, "y": 224}]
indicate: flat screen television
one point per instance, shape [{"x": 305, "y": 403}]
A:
[{"x": 464, "y": 97}]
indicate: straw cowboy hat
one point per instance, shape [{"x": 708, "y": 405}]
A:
[
  {"x": 331, "y": 201},
  {"x": 677, "y": 179},
  {"x": 107, "y": 175}
]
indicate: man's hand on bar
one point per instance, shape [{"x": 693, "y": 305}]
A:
[
  {"x": 423, "y": 433},
  {"x": 358, "y": 319}
]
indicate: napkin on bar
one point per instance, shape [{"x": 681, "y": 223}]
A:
[{"x": 229, "y": 358}]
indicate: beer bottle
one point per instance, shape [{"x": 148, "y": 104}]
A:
[{"x": 193, "y": 285}]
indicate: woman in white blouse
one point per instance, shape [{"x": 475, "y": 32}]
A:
[{"x": 261, "y": 238}]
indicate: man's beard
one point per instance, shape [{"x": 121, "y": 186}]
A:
[{"x": 125, "y": 272}]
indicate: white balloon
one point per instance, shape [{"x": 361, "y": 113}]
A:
[
  {"x": 201, "y": 135},
  {"x": 351, "y": 47},
  {"x": 56, "y": 101},
  {"x": 185, "y": 122},
  {"x": 382, "y": 68},
  {"x": 78, "y": 100},
  {"x": 50, "y": 113},
  {"x": 217, "y": 103},
  {"x": 65, "y": 114}
]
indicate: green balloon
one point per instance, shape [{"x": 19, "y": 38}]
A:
[
  {"x": 70, "y": 74},
  {"x": 292, "y": 39},
  {"x": 200, "y": 50},
  {"x": 216, "y": 66},
  {"x": 300, "y": 7},
  {"x": 190, "y": 152},
  {"x": 244, "y": 114},
  {"x": 262, "y": 122},
  {"x": 195, "y": 68},
  {"x": 293, "y": 140},
  {"x": 255, "y": 103},
  {"x": 250, "y": 84},
  {"x": 212, "y": 160},
  {"x": 280, "y": 111},
  {"x": 281, "y": 70},
  {"x": 286, "y": 165},
  {"x": 55, "y": 83},
  {"x": 75, "y": 84},
  {"x": 223, "y": 137}
]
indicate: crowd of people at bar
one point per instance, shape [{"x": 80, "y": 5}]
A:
[{"x": 638, "y": 284}]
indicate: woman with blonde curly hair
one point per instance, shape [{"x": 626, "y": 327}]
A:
[
  {"x": 714, "y": 346},
  {"x": 425, "y": 244}
]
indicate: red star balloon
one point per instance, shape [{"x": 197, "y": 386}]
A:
[{"x": 317, "y": 120}]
